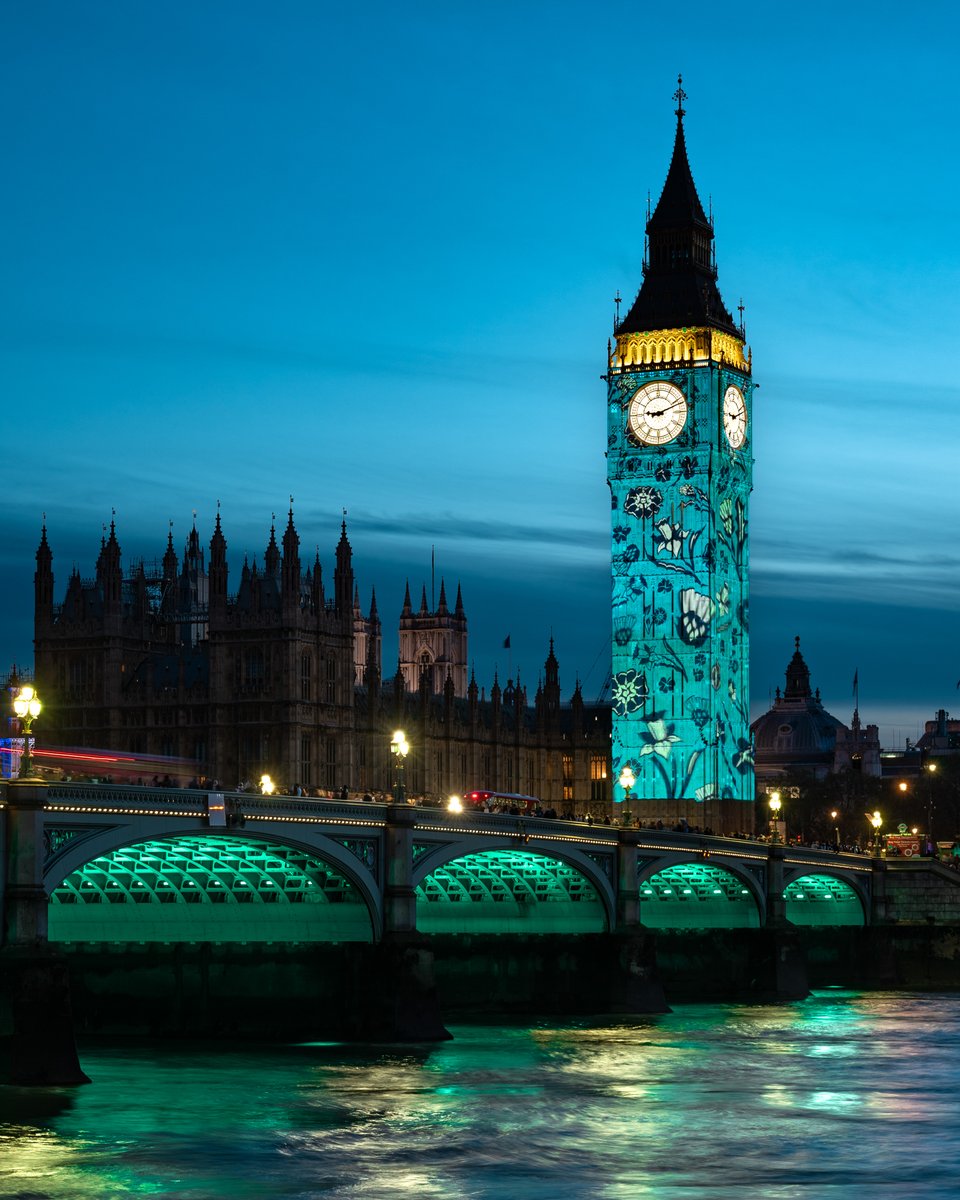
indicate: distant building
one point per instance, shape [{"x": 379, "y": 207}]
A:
[
  {"x": 281, "y": 677},
  {"x": 798, "y": 734},
  {"x": 941, "y": 736}
]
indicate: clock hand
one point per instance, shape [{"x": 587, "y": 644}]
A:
[{"x": 664, "y": 410}]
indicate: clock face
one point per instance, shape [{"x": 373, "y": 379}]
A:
[
  {"x": 657, "y": 413},
  {"x": 734, "y": 417}
]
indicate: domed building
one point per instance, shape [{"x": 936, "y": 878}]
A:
[{"x": 798, "y": 734}]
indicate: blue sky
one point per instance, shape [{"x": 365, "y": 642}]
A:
[{"x": 368, "y": 259}]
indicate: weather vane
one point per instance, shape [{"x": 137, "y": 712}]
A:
[{"x": 680, "y": 95}]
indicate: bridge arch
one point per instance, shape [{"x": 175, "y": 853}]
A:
[
  {"x": 824, "y": 899},
  {"x": 511, "y": 889},
  {"x": 200, "y": 886},
  {"x": 698, "y": 895}
]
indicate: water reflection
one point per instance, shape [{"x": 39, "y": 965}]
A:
[{"x": 841, "y": 1095}]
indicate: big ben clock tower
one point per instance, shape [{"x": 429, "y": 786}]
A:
[{"x": 679, "y": 464}]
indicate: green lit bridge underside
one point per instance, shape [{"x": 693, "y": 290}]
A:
[
  {"x": 697, "y": 896},
  {"x": 225, "y": 889}
]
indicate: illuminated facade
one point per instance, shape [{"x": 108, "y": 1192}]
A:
[
  {"x": 679, "y": 463},
  {"x": 280, "y": 677}
]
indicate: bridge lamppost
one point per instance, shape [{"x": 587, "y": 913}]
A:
[
  {"x": 836, "y": 828},
  {"x": 931, "y": 769},
  {"x": 455, "y": 805},
  {"x": 627, "y": 781},
  {"x": 399, "y": 748},
  {"x": 876, "y": 821},
  {"x": 775, "y": 804},
  {"x": 26, "y": 704}
]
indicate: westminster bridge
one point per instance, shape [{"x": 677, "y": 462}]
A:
[{"x": 157, "y": 884}]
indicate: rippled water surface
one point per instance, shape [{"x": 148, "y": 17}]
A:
[{"x": 841, "y": 1095}]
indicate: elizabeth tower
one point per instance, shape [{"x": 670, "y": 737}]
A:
[{"x": 679, "y": 464}]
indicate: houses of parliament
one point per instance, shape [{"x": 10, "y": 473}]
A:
[{"x": 282, "y": 674}]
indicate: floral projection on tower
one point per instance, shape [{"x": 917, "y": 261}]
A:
[{"x": 680, "y": 563}]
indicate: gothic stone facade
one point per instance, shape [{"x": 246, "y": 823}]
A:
[{"x": 282, "y": 677}]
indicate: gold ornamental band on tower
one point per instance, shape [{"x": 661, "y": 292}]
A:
[{"x": 663, "y": 347}]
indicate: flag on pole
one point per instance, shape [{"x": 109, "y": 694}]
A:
[{"x": 506, "y": 642}]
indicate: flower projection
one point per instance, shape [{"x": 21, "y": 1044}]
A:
[
  {"x": 671, "y": 538},
  {"x": 643, "y": 502},
  {"x": 658, "y": 737},
  {"x": 629, "y": 691}
]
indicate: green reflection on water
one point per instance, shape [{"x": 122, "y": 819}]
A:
[{"x": 709, "y": 1100}]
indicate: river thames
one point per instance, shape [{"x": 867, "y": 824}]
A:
[{"x": 841, "y": 1095}]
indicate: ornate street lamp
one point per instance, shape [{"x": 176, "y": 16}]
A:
[
  {"x": 399, "y": 748},
  {"x": 26, "y": 704},
  {"x": 627, "y": 780},
  {"x": 876, "y": 821},
  {"x": 775, "y": 804},
  {"x": 836, "y": 828},
  {"x": 455, "y": 805},
  {"x": 267, "y": 786}
]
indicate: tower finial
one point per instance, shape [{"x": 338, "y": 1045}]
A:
[{"x": 680, "y": 95}]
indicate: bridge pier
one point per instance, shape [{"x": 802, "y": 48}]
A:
[
  {"x": 628, "y": 889},
  {"x": 397, "y": 999},
  {"x": 37, "y": 1046},
  {"x": 636, "y": 987},
  {"x": 776, "y": 914},
  {"x": 779, "y": 966},
  {"x": 878, "y": 892}
]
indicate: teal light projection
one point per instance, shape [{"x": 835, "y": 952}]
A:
[
  {"x": 506, "y": 891},
  {"x": 696, "y": 896},
  {"x": 217, "y": 889},
  {"x": 680, "y": 563},
  {"x": 822, "y": 900}
]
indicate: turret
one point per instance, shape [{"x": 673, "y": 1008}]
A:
[
  {"x": 43, "y": 583},
  {"x": 218, "y": 570},
  {"x": 798, "y": 676},
  {"x": 168, "y": 599},
  {"x": 109, "y": 573},
  {"x": 291, "y": 568},
  {"x": 271, "y": 558},
  {"x": 316, "y": 586},
  {"x": 343, "y": 575}
]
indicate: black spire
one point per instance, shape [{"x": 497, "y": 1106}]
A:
[{"x": 680, "y": 281}]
